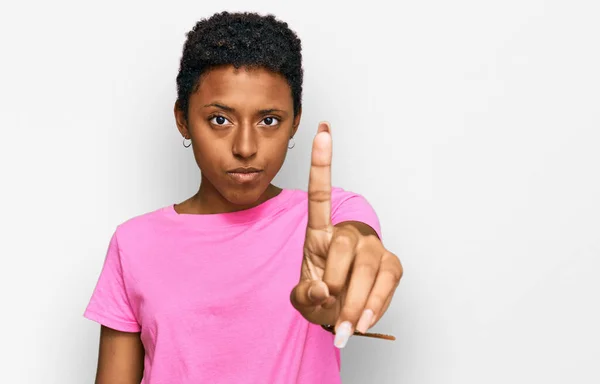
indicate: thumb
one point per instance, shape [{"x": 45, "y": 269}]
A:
[{"x": 308, "y": 294}]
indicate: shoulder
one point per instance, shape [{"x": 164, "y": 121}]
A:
[
  {"x": 141, "y": 227},
  {"x": 339, "y": 197}
]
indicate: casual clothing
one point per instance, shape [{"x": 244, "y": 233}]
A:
[{"x": 210, "y": 294}]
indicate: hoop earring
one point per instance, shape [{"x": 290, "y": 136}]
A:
[
  {"x": 190, "y": 143},
  {"x": 293, "y": 143}
]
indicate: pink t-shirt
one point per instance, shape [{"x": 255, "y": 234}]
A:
[{"x": 210, "y": 294}]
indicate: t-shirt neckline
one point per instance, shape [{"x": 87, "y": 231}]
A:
[{"x": 246, "y": 216}]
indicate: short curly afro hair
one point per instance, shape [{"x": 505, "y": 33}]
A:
[{"x": 242, "y": 40}]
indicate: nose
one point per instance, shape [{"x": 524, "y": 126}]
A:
[{"x": 245, "y": 143}]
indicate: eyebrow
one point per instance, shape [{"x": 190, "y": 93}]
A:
[
  {"x": 271, "y": 110},
  {"x": 230, "y": 109},
  {"x": 221, "y": 106}
]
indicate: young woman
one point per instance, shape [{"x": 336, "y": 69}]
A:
[{"x": 234, "y": 284}]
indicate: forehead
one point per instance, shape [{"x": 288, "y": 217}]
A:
[{"x": 251, "y": 87}]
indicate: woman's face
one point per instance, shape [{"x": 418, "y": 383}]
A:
[{"x": 240, "y": 122}]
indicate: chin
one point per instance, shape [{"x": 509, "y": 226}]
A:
[{"x": 244, "y": 197}]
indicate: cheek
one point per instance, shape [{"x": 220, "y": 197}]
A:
[
  {"x": 209, "y": 155},
  {"x": 276, "y": 154}
]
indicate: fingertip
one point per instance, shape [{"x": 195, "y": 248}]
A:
[
  {"x": 343, "y": 331},
  {"x": 365, "y": 321},
  {"x": 324, "y": 126},
  {"x": 323, "y": 140}
]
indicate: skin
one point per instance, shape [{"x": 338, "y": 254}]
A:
[
  {"x": 121, "y": 357},
  {"x": 347, "y": 275},
  {"x": 245, "y": 137}
]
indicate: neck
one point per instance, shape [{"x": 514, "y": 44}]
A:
[{"x": 208, "y": 200}]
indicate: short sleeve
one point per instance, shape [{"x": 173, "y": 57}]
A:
[
  {"x": 349, "y": 206},
  {"x": 109, "y": 304}
]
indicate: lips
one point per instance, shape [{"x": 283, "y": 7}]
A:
[
  {"x": 245, "y": 175},
  {"x": 245, "y": 170}
]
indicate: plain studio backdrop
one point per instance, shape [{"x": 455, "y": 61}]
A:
[{"x": 473, "y": 128}]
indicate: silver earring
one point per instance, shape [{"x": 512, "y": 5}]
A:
[
  {"x": 293, "y": 143},
  {"x": 188, "y": 145}
]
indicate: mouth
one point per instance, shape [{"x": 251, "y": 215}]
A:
[
  {"x": 245, "y": 170},
  {"x": 245, "y": 175}
]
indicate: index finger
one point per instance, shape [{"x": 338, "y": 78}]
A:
[{"x": 319, "y": 183}]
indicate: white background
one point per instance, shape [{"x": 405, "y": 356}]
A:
[{"x": 472, "y": 127}]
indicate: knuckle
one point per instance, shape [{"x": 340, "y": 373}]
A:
[
  {"x": 344, "y": 240},
  {"x": 395, "y": 267},
  {"x": 370, "y": 246},
  {"x": 319, "y": 194},
  {"x": 372, "y": 241},
  {"x": 400, "y": 273}
]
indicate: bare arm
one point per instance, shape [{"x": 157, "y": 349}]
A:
[{"x": 121, "y": 357}]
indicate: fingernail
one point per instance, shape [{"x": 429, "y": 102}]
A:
[
  {"x": 309, "y": 293},
  {"x": 323, "y": 127},
  {"x": 365, "y": 321},
  {"x": 342, "y": 334}
]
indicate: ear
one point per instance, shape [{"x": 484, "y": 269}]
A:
[
  {"x": 296, "y": 122},
  {"x": 181, "y": 121}
]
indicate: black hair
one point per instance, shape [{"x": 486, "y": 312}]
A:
[{"x": 242, "y": 40}]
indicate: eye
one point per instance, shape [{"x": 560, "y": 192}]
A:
[
  {"x": 270, "y": 121},
  {"x": 219, "y": 120}
]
